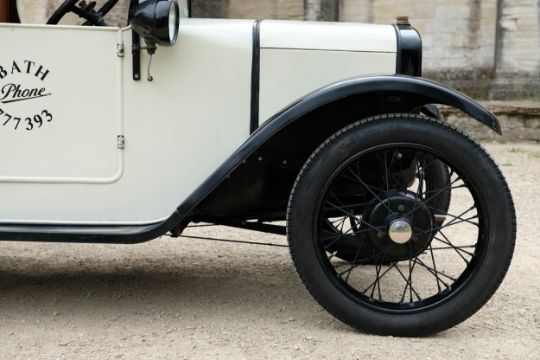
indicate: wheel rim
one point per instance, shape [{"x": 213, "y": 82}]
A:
[{"x": 422, "y": 256}]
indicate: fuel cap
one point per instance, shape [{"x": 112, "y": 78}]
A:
[{"x": 403, "y": 20}]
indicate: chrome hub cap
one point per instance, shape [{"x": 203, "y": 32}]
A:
[
  {"x": 407, "y": 225},
  {"x": 400, "y": 231}
]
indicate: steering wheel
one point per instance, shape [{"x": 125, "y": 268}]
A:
[
  {"x": 62, "y": 10},
  {"x": 84, "y": 10}
]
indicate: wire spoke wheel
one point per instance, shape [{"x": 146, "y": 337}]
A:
[
  {"x": 411, "y": 252},
  {"x": 401, "y": 225}
]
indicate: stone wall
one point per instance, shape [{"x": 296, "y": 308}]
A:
[
  {"x": 487, "y": 48},
  {"x": 38, "y": 11},
  {"x": 458, "y": 36},
  {"x": 518, "y": 51},
  {"x": 520, "y": 121},
  {"x": 275, "y": 9}
]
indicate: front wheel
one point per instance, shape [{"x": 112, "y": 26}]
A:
[{"x": 429, "y": 267}]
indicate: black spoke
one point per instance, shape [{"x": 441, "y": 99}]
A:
[
  {"x": 435, "y": 268},
  {"x": 457, "y": 249},
  {"x": 406, "y": 280},
  {"x": 387, "y": 178},
  {"x": 352, "y": 267},
  {"x": 347, "y": 213},
  {"x": 338, "y": 236},
  {"x": 446, "y": 188},
  {"x": 336, "y": 223},
  {"x": 467, "y": 220},
  {"x": 353, "y": 206},
  {"x": 433, "y": 271},
  {"x": 352, "y": 216},
  {"x": 355, "y": 178},
  {"x": 379, "y": 278},
  {"x": 457, "y": 220},
  {"x": 377, "y": 273},
  {"x": 408, "y": 284},
  {"x": 436, "y": 229},
  {"x": 357, "y": 262},
  {"x": 370, "y": 190},
  {"x": 454, "y": 247}
]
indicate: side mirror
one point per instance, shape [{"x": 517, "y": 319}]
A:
[{"x": 157, "y": 22}]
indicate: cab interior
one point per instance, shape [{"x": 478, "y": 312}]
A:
[{"x": 8, "y": 11}]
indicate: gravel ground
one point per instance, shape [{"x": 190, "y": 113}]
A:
[{"x": 183, "y": 298}]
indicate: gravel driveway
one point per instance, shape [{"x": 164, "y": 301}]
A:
[{"x": 184, "y": 298}]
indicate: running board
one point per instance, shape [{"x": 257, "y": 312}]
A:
[{"x": 83, "y": 234}]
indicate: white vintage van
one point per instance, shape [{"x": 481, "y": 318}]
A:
[{"x": 397, "y": 222}]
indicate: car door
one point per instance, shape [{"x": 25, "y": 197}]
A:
[{"x": 60, "y": 104}]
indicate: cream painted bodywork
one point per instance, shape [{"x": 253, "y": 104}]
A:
[
  {"x": 328, "y": 36},
  {"x": 300, "y": 57},
  {"x": 178, "y": 129}
]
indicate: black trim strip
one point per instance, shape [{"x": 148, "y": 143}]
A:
[
  {"x": 136, "y": 55},
  {"x": 73, "y": 233},
  {"x": 89, "y": 234},
  {"x": 398, "y": 50},
  {"x": 255, "y": 76},
  {"x": 135, "y": 45},
  {"x": 13, "y": 12},
  {"x": 428, "y": 91},
  {"x": 409, "y": 55}
]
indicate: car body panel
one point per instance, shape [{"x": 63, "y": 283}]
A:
[
  {"x": 300, "y": 57},
  {"x": 312, "y": 69},
  {"x": 196, "y": 113},
  {"x": 182, "y": 133}
]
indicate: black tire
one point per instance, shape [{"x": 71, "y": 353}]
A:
[{"x": 484, "y": 270}]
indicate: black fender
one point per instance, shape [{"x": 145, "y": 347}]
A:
[{"x": 425, "y": 92}]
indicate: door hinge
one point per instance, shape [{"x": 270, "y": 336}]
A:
[
  {"x": 120, "y": 50},
  {"x": 121, "y": 141}
]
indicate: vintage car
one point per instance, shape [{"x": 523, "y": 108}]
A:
[{"x": 397, "y": 222}]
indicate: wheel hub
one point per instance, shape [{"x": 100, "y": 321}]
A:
[{"x": 402, "y": 225}]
